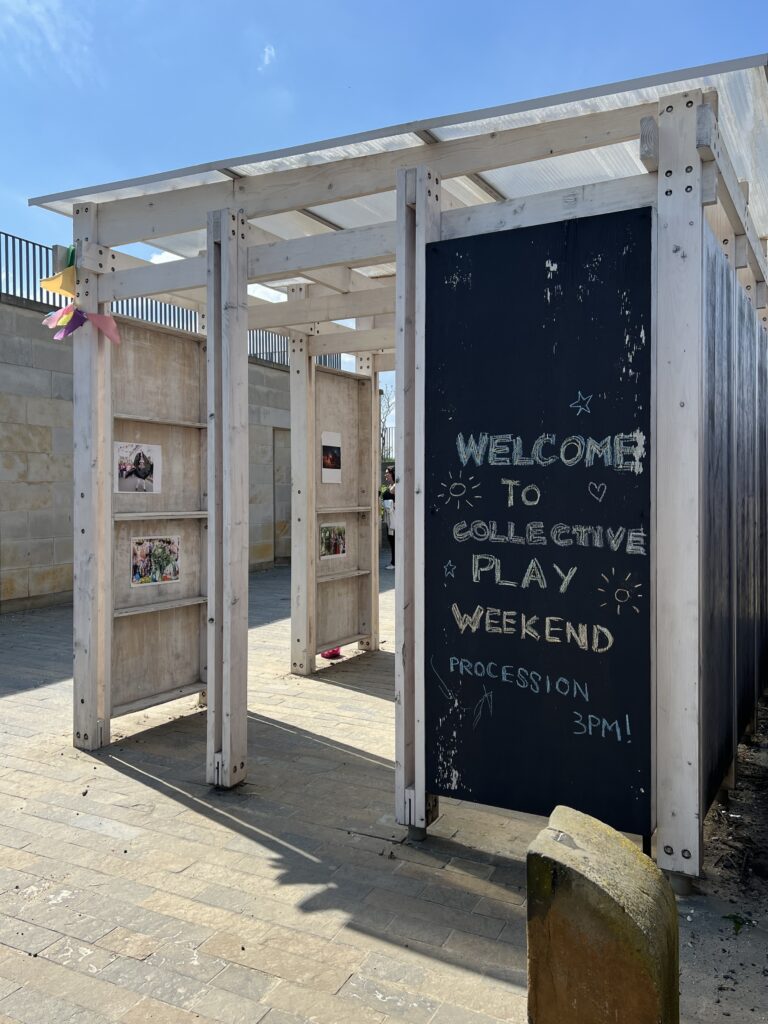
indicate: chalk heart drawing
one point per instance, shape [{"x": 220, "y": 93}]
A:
[{"x": 597, "y": 490}]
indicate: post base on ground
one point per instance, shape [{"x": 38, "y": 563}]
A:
[{"x": 681, "y": 885}]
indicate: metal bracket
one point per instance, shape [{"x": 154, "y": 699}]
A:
[{"x": 410, "y": 807}]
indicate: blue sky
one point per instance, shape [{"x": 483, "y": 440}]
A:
[{"x": 97, "y": 91}]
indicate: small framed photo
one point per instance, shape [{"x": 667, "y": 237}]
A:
[
  {"x": 331, "y": 457},
  {"x": 154, "y": 560},
  {"x": 138, "y": 468},
  {"x": 333, "y": 540}
]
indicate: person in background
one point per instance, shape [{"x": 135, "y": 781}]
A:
[{"x": 388, "y": 497}]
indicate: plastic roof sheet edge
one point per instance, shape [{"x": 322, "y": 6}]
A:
[{"x": 221, "y": 166}]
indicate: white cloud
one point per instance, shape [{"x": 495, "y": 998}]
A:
[
  {"x": 268, "y": 55},
  {"x": 164, "y": 257},
  {"x": 31, "y": 29}
]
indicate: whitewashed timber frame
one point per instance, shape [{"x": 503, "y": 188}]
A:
[
  {"x": 686, "y": 175},
  {"x": 328, "y": 276}
]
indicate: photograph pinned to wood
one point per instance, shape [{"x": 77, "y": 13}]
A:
[
  {"x": 138, "y": 467},
  {"x": 331, "y": 458},
  {"x": 154, "y": 560},
  {"x": 333, "y": 540}
]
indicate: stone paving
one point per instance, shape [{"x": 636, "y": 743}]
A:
[{"x": 130, "y": 891}]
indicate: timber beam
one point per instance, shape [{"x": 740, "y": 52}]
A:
[
  {"x": 730, "y": 191},
  {"x": 142, "y": 218}
]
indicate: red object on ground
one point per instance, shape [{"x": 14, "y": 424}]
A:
[{"x": 333, "y": 652}]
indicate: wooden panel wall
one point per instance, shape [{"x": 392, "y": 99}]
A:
[
  {"x": 745, "y": 497},
  {"x": 343, "y": 599},
  {"x": 155, "y": 654},
  {"x": 718, "y": 475},
  {"x": 159, "y": 397}
]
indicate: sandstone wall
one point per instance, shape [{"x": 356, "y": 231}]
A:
[{"x": 36, "y": 461}]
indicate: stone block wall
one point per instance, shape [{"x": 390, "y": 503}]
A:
[
  {"x": 268, "y": 415},
  {"x": 282, "y": 462},
  {"x": 36, "y": 462}
]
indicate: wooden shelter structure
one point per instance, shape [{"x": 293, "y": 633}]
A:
[{"x": 340, "y": 230}]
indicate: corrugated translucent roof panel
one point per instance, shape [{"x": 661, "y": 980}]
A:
[
  {"x": 741, "y": 85},
  {"x": 322, "y": 156},
  {"x": 568, "y": 171},
  {"x": 357, "y": 213},
  {"x": 127, "y": 190}
]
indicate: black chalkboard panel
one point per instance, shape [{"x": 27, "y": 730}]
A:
[{"x": 537, "y": 518}]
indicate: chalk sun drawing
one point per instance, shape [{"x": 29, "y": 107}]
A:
[
  {"x": 623, "y": 592},
  {"x": 459, "y": 490}
]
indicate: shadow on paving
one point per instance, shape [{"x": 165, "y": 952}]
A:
[
  {"x": 35, "y": 649},
  {"x": 317, "y": 813},
  {"x": 36, "y": 645},
  {"x": 376, "y": 680}
]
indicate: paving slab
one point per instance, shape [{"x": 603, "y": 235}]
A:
[{"x": 145, "y": 896}]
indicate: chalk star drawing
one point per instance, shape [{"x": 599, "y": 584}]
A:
[
  {"x": 459, "y": 490},
  {"x": 449, "y": 569},
  {"x": 581, "y": 404},
  {"x": 623, "y": 592}
]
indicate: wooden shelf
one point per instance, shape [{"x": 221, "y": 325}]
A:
[
  {"x": 343, "y": 575},
  {"x": 338, "y": 511},
  {"x": 159, "y": 606},
  {"x": 344, "y": 642},
  {"x": 160, "y": 422},
  {"x": 158, "y": 698},
  {"x": 128, "y": 516}
]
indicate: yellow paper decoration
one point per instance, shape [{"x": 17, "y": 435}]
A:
[{"x": 63, "y": 283}]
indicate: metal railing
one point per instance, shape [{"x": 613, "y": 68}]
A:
[
  {"x": 388, "y": 443},
  {"x": 24, "y": 263}
]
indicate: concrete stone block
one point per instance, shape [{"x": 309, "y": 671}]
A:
[
  {"x": 20, "y": 496},
  {"x": 52, "y": 579},
  {"x": 259, "y": 435},
  {"x": 63, "y": 440},
  {"x": 13, "y": 466},
  {"x": 14, "y": 583},
  {"x": 49, "y": 412},
  {"x": 25, "y": 380},
  {"x": 63, "y": 495},
  {"x": 52, "y": 355},
  {"x": 63, "y": 550},
  {"x": 16, "y": 554},
  {"x": 13, "y": 409},
  {"x": 280, "y": 418},
  {"x": 49, "y": 468},
  {"x": 17, "y": 351},
  {"x": 61, "y": 385},
  {"x": 7, "y": 319},
  {"x": 602, "y": 928},
  {"x": 260, "y": 474},
  {"x": 260, "y": 553},
  {"x": 18, "y": 437},
  {"x": 276, "y": 400},
  {"x": 50, "y": 523},
  {"x": 14, "y": 525}
]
